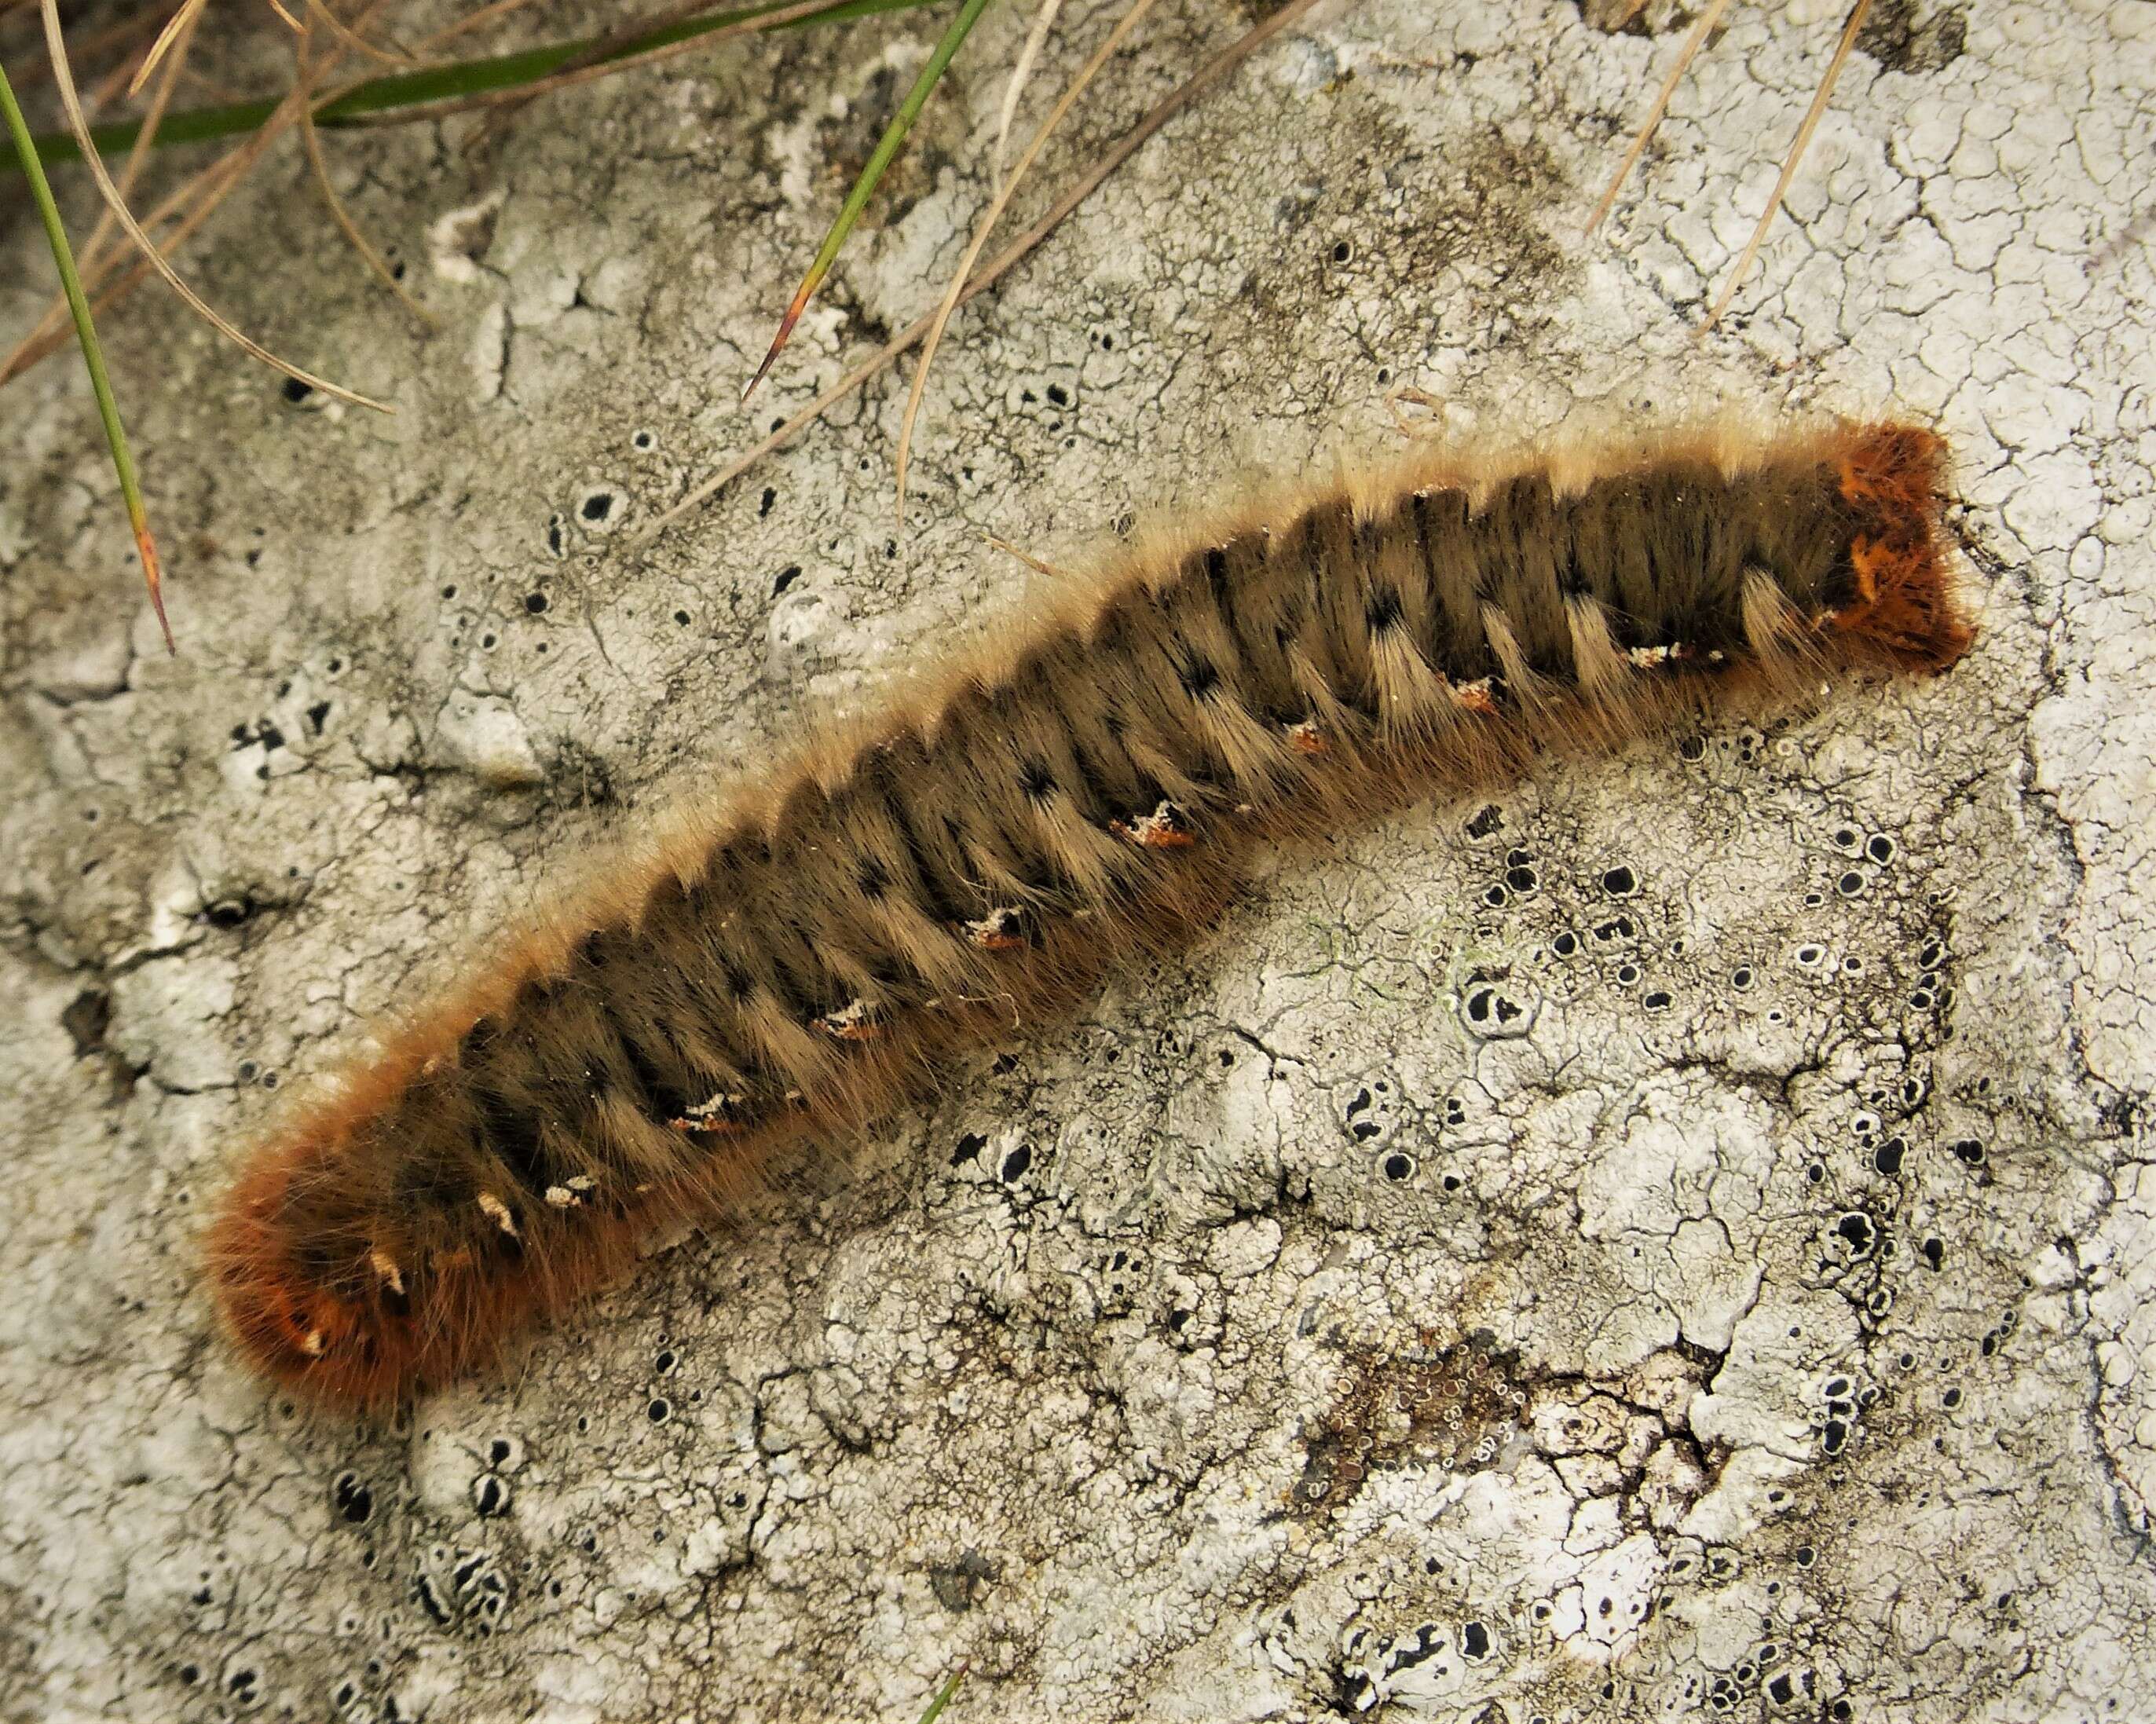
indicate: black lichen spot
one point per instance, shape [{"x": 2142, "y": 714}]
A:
[
  {"x": 1856, "y": 1227},
  {"x": 1969, "y": 1151},
  {"x": 1893, "y": 36},
  {"x": 787, "y": 577},
  {"x": 1693, "y": 748},
  {"x": 318, "y": 716},
  {"x": 86, "y": 1018},
  {"x": 491, "y": 1494},
  {"x": 659, "y": 1410},
  {"x": 1522, "y": 878},
  {"x": 1565, "y": 944},
  {"x": 1934, "y": 1251},
  {"x": 352, "y": 1498},
  {"x": 1850, "y": 884},
  {"x": 956, "y": 1584},
  {"x": 1491, "y": 1012},
  {"x": 1474, "y": 1641},
  {"x": 1489, "y": 819},
  {"x": 598, "y": 506},
  {"x": 969, "y": 1146},
  {"x": 1657, "y": 999},
  {"x": 431, "y": 1601},
  {"x": 765, "y": 504},
  {"x": 1398, "y": 1165},
  {"x": 1887, "y": 1157},
  {"x": 1620, "y": 882},
  {"x": 1016, "y": 1163},
  {"x": 681, "y": 617},
  {"x": 535, "y": 603},
  {"x": 1879, "y": 849},
  {"x": 1833, "y": 1437},
  {"x": 296, "y": 392}
]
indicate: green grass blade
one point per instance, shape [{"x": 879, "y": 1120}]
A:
[
  {"x": 435, "y": 84},
  {"x": 943, "y": 1694},
  {"x": 108, "y": 409},
  {"x": 864, "y": 185}
]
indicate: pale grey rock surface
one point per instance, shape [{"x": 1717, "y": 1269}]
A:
[{"x": 1752, "y": 1316}]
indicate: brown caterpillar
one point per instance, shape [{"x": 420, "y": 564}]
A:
[{"x": 806, "y": 953}]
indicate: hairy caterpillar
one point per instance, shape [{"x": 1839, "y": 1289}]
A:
[{"x": 802, "y": 955}]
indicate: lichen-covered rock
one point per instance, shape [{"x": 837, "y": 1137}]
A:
[{"x": 1672, "y": 1238}]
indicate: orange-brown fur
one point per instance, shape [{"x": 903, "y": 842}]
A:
[{"x": 806, "y": 953}]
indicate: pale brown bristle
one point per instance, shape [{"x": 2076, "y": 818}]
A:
[{"x": 808, "y": 954}]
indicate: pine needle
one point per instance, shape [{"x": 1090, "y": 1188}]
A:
[
  {"x": 492, "y": 13},
  {"x": 1036, "y": 564},
  {"x": 175, "y": 27},
  {"x": 311, "y": 137},
  {"x": 71, "y": 102},
  {"x": 391, "y": 56},
  {"x": 1021, "y": 73},
  {"x": 1102, "y": 56},
  {"x": 1693, "y": 43},
  {"x": 1812, "y": 117}
]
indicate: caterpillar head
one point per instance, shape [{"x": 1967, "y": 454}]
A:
[
  {"x": 331, "y": 1331},
  {"x": 1906, "y": 602}
]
